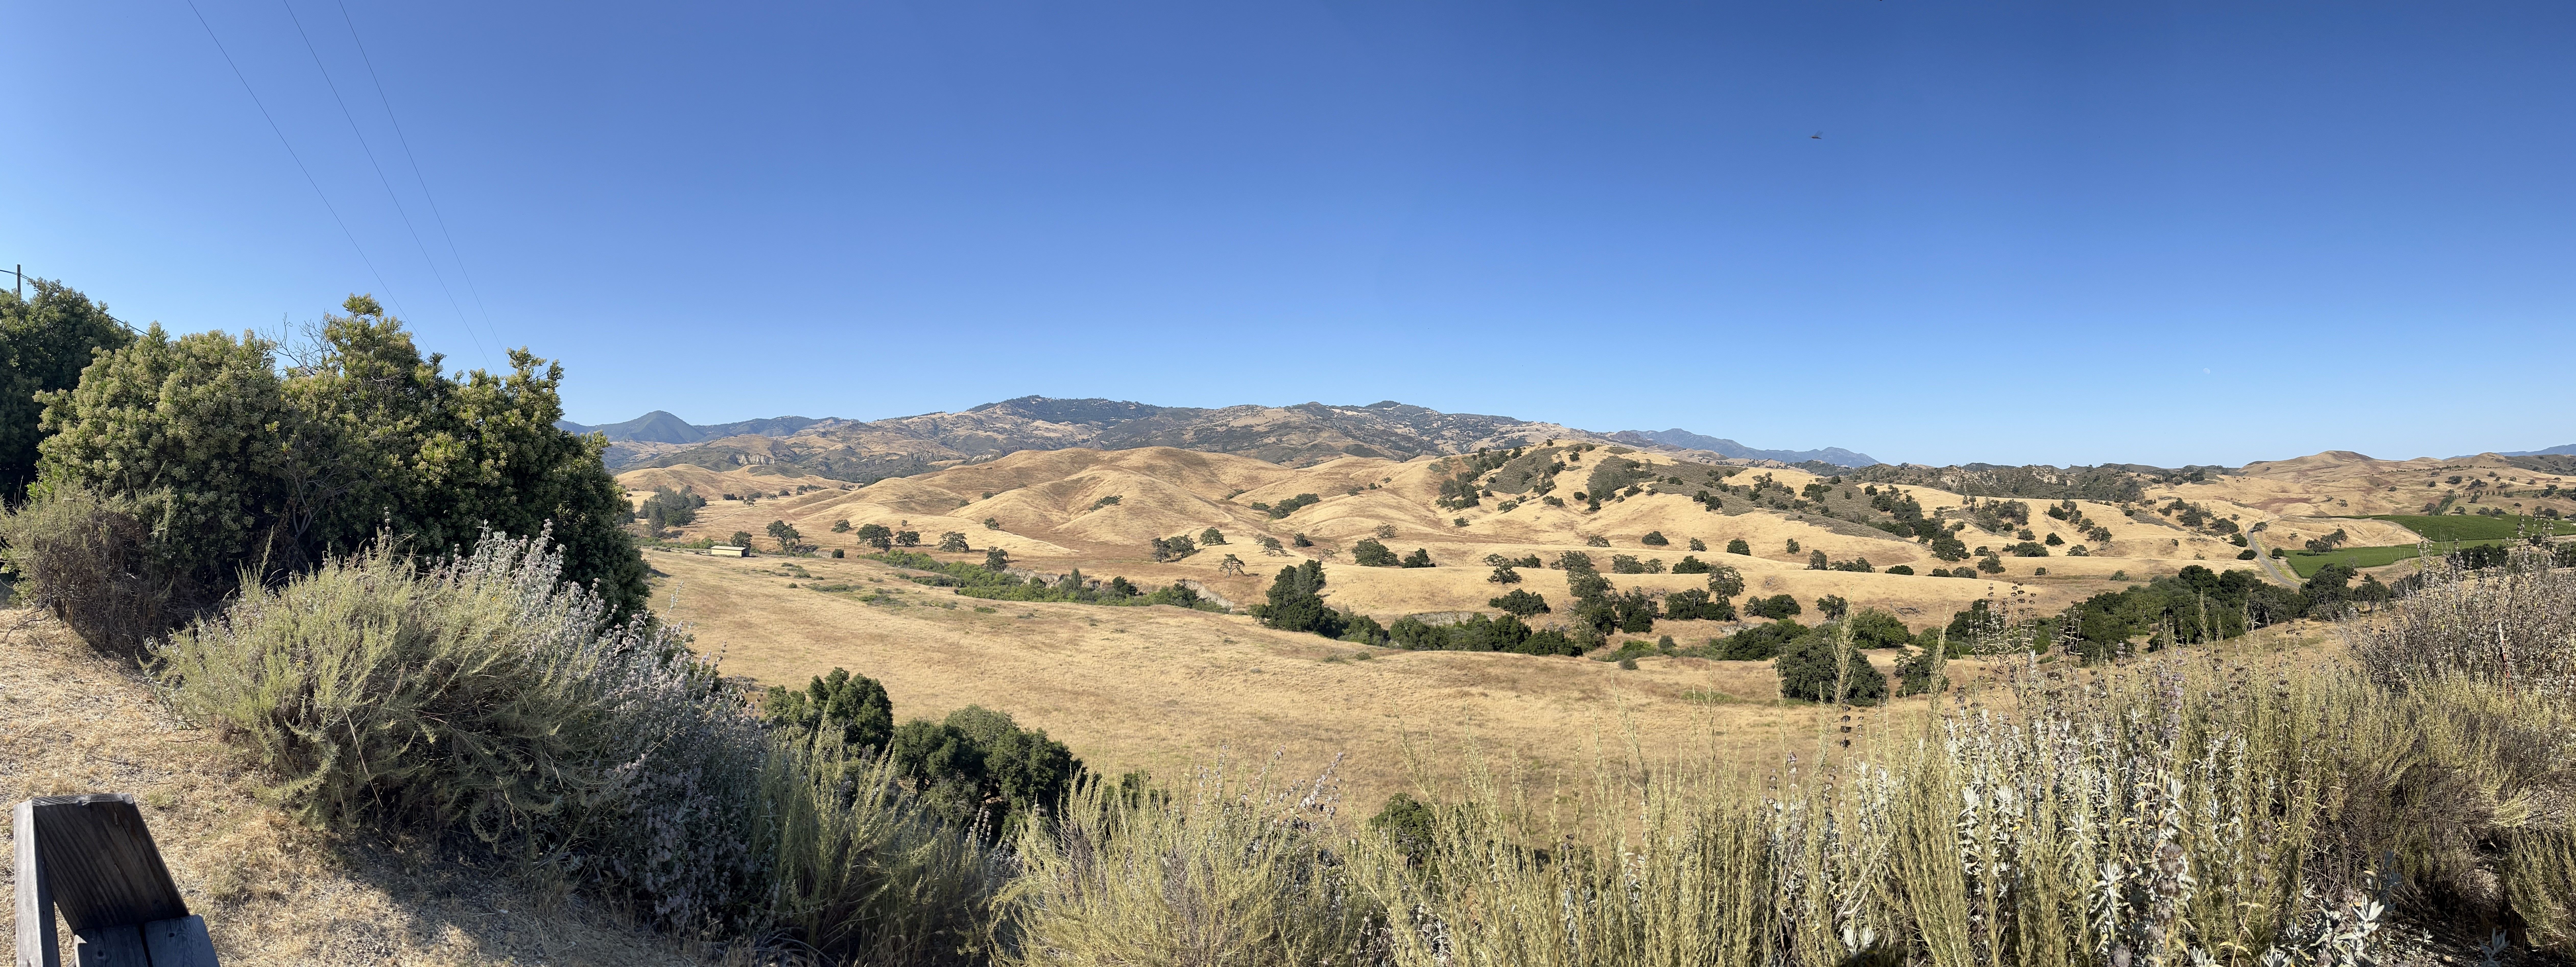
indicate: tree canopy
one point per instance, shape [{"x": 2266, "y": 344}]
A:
[
  {"x": 45, "y": 342},
  {"x": 237, "y": 463}
]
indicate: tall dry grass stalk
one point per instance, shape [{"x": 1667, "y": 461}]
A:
[
  {"x": 864, "y": 873},
  {"x": 1229, "y": 869},
  {"x": 2206, "y": 807},
  {"x": 2512, "y": 626}
]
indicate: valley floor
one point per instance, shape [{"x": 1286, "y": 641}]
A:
[{"x": 1168, "y": 690}]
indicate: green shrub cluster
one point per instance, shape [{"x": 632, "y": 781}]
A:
[
  {"x": 669, "y": 508},
  {"x": 1172, "y": 548},
  {"x": 1775, "y": 607},
  {"x": 45, "y": 343},
  {"x": 991, "y": 584},
  {"x": 199, "y": 460},
  {"x": 1693, "y": 604},
  {"x": 1367, "y": 552},
  {"x": 1826, "y": 666},
  {"x": 1295, "y": 602},
  {"x": 1520, "y": 603},
  {"x": 1289, "y": 506},
  {"x": 1479, "y": 633},
  {"x": 1758, "y": 643}
]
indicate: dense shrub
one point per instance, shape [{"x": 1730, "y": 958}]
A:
[
  {"x": 978, "y": 769},
  {"x": 854, "y": 709},
  {"x": 1808, "y": 668},
  {"x": 1691, "y": 604},
  {"x": 1873, "y": 628},
  {"x": 1520, "y": 603},
  {"x": 1757, "y": 643},
  {"x": 90, "y": 565},
  {"x": 1295, "y": 602},
  {"x": 1654, "y": 539},
  {"x": 1920, "y": 672},
  {"x": 1635, "y": 611},
  {"x": 1738, "y": 546},
  {"x": 1479, "y": 633},
  {"x": 241, "y": 464},
  {"x": 669, "y": 508},
  {"x": 1725, "y": 581},
  {"x": 484, "y": 695},
  {"x": 1419, "y": 558},
  {"x": 1690, "y": 565},
  {"x": 1369, "y": 553},
  {"x": 1775, "y": 607},
  {"x": 45, "y": 342}
]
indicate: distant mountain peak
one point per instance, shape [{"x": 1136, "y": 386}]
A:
[
  {"x": 2551, "y": 452},
  {"x": 1688, "y": 440}
]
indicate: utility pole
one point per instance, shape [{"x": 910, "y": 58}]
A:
[{"x": 21, "y": 288}]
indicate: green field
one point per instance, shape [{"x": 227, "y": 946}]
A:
[
  {"x": 2470, "y": 527},
  {"x": 2355, "y": 557}
]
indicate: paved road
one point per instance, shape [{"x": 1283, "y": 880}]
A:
[{"x": 2273, "y": 568}]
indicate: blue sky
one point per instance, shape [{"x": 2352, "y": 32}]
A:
[{"x": 2051, "y": 232}]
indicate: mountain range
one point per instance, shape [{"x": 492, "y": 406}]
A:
[
  {"x": 1301, "y": 435},
  {"x": 1688, "y": 440}
]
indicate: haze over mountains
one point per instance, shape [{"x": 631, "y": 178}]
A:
[{"x": 1300, "y": 435}]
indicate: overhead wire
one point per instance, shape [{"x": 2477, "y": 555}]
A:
[
  {"x": 381, "y": 179},
  {"x": 291, "y": 153},
  {"x": 437, "y": 215}
]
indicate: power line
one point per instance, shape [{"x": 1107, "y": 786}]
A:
[
  {"x": 438, "y": 216},
  {"x": 290, "y": 152},
  {"x": 370, "y": 152}
]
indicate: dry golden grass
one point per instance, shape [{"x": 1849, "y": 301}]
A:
[
  {"x": 1048, "y": 503},
  {"x": 1156, "y": 689},
  {"x": 1164, "y": 689},
  {"x": 271, "y": 891},
  {"x": 2340, "y": 483}
]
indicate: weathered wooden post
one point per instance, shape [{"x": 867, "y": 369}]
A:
[{"x": 91, "y": 858}]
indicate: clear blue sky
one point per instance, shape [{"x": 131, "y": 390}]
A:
[{"x": 2059, "y": 232}]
